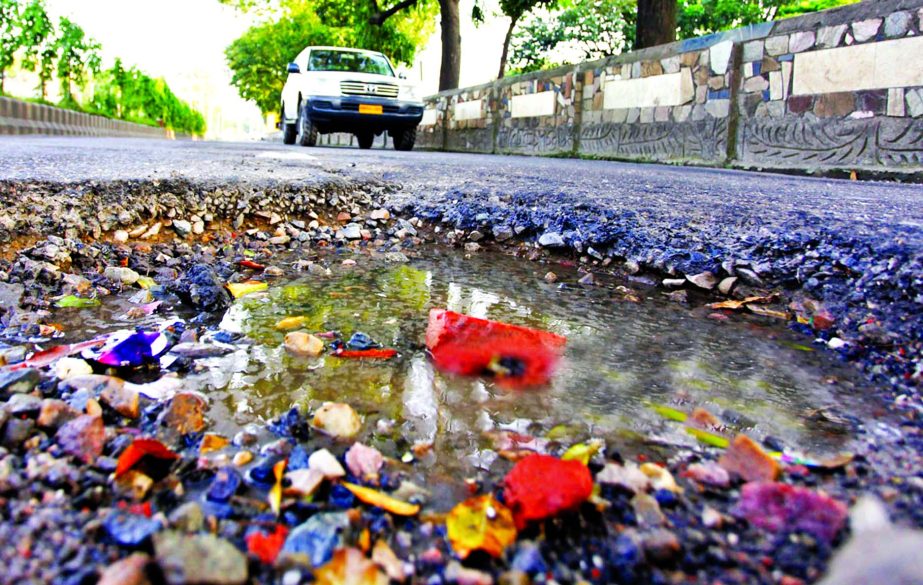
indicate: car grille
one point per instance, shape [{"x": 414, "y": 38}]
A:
[{"x": 371, "y": 89}]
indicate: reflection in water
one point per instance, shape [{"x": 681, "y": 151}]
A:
[{"x": 620, "y": 358}]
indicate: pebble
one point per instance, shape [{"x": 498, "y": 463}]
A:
[
  {"x": 551, "y": 240},
  {"x": 182, "y": 227},
  {"x": 122, "y": 399},
  {"x": 70, "y": 367},
  {"x": 551, "y": 277},
  {"x": 199, "y": 558},
  {"x": 130, "y": 530},
  {"x": 472, "y": 247},
  {"x": 727, "y": 285},
  {"x": 587, "y": 279},
  {"x": 364, "y": 462},
  {"x": 19, "y": 381},
  {"x": 318, "y": 537},
  {"x": 54, "y": 413},
  {"x": 82, "y": 437},
  {"x": 338, "y": 420},
  {"x": 323, "y": 461},
  {"x": 380, "y": 214},
  {"x": 186, "y": 413},
  {"x": 662, "y": 547},
  {"x": 746, "y": 459},
  {"x": 23, "y": 404},
  {"x": 705, "y": 280},
  {"x": 188, "y": 517},
  {"x": 127, "y": 571},
  {"x": 120, "y": 236},
  {"x": 301, "y": 344},
  {"x": 673, "y": 282}
]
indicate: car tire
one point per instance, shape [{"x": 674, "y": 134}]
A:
[
  {"x": 404, "y": 139},
  {"x": 366, "y": 140},
  {"x": 289, "y": 130},
  {"x": 306, "y": 130}
]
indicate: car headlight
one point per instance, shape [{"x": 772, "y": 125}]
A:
[{"x": 408, "y": 93}]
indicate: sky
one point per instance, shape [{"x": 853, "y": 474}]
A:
[{"x": 183, "y": 41}]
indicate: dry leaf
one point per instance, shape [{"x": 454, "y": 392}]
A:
[
  {"x": 480, "y": 523},
  {"x": 382, "y": 500}
]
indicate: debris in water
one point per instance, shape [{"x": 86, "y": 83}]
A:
[
  {"x": 382, "y": 500},
  {"x": 75, "y": 302},
  {"x": 513, "y": 355},
  {"x": 746, "y": 459},
  {"x": 240, "y": 289},
  {"x": 480, "y": 523}
]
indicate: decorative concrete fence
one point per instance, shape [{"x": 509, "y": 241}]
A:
[
  {"x": 19, "y": 117},
  {"x": 837, "y": 89}
]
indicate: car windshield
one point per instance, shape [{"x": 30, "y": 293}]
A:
[{"x": 328, "y": 60}]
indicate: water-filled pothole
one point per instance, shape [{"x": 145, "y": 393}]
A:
[{"x": 621, "y": 358}]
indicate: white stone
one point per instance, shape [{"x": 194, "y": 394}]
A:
[
  {"x": 662, "y": 113},
  {"x": 719, "y": 56},
  {"x": 801, "y": 41},
  {"x": 777, "y": 45},
  {"x": 120, "y": 236},
  {"x": 467, "y": 110},
  {"x": 830, "y": 36},
  {"x": 914, "y": 100},
  {"x": 647, "y": 115},
  {"x": 756, "y": 84},
  {"x": 429, "y": 117},
  {"x": 860, "y": 67},
  {"x": 671, "y": 89},
  {"x": 753, "y": 51},
  {"x": 681, "y": 113},
  {"x": 533, "y": 105},
  {"x": 718, "y": 108},
  {"x": 670, "y": 64},
  {"x": 775, "y": 85},
  {"x": 748, "y": 70},
  {"x": 865, "y": 29},
  {"x": 897, "y": 24},
  {"x": 896, "y": 102}
]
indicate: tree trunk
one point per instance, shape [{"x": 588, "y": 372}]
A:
[
  {"x": 451, "y": 45},
  {"x": 656, "y": 23},
  {"x": 504, "y": 57}
]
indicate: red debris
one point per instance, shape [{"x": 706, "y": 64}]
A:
[
  {"x": 777, "y": 506},
  {"x": 541, "y": 486},
  {"x": 264, "y": 546},
  {"x": 513, "y": 355},
  {"x": 49, "y": 356},
  {"x": 251, "y": 265},
  {"x": 139, "y": 449},
  {"x": 373, "y": 354}
]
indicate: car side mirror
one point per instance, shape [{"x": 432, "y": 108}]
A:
[{"x": 293, "y": 68}]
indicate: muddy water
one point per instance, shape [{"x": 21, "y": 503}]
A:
[{"x": 621, "y": 357}]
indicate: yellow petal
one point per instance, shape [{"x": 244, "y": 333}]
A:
[
  {"x": 480, "y": 523},
  {"x": 583, "y": 452},
  {"x": 290, "y": 323},
  {"x": 275, "y": 494},
  {"x": 239, "y": 289},
  {"x": 383, "y": 501},
  {"x": 212, "y": 442}
]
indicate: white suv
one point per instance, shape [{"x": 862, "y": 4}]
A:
[{"x": 331, "y": 89}]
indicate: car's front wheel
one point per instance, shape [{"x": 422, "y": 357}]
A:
[
  {"x": 404, "y": 139},
  {"x": 365, "y": 139},
  {"x": 289, "y": 129},
  {"x": 306, "y": 130}
]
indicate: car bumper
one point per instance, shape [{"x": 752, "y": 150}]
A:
[{"x": 342, "y": 113}]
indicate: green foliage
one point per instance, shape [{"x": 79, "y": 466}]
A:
[
  {"x": 67, "y": 52},
  {"x": 78, "y": 55},
  {"x": 9, "y": 36},
  {"x": 595, "y": 29},
  {"x": 258, "y": 58},
  {"x": 129, "y": 94},
  {"x": 599, "y": 28},
  {"x": 40, "y": 43}
]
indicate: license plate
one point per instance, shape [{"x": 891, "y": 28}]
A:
[{"x": 370, "y": 109}]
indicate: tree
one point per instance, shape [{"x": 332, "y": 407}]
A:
[
  {"x": 599, "y": 28},
  {"x": 373, "y": 15},
  {"x": 10, "y": 38},
  {"x": 40, "y": 43},
  {"x": 656, "y": 23},
  {"x": 515, "y": 9},
  {"x": 77, "y": 56},
  {"x": 589, "y": 29}
]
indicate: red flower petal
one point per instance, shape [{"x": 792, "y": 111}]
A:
[{"x": 541, "y": 486}]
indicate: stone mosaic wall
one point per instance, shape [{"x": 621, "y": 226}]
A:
[
  {"x": 836, "y": 89},
  {"x": 839, "y": 91}
]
